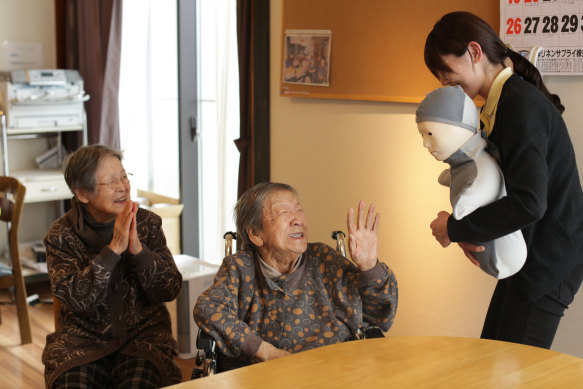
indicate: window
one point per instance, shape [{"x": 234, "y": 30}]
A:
[
  {"x": 148, "y": 95},
  {"x": 149, "y": 105}
]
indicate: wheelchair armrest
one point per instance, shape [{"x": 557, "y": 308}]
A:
[
  {"x": 206, "y": 343},
  {"x": 373, "y": 332},
  {"x": 207, "y": 358},
  {"x": 369, "y": 333}
]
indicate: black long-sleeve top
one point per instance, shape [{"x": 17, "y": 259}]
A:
[{"x": 544, "y": 198}]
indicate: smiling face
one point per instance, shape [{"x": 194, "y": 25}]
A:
[
  {"x": 442, "y": 139},
  {"x": 468, "y": 71},
  {"x": 104, "y": 204},
  {"x": 462, "y": 73},
  {"x": 285, "y": 232}
]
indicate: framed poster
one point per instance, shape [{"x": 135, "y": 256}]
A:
[{"x": 307, "y": 57}]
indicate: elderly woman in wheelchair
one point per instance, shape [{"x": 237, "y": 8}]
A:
[{"x": 281, "y": 294}]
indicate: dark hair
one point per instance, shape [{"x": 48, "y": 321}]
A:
[
  {"x": 451, "y": 35},
  {"x": 81, "y": 166},
  {"x": 248, "y": 211}
]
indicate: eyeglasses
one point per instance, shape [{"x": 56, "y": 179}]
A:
[{"x": 114, "y": 182}]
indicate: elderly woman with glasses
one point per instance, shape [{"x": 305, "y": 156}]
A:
[
  {"x": 281, "y": 294},
  {"x": 110, "y": 268}
]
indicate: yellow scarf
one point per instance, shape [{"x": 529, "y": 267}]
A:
[{"x": 488, "y": 112}]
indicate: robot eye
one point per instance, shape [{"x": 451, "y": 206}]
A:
[{"x": 430, "y": 133}]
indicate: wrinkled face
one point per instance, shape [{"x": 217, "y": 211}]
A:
[
  {"x": 105, "y": 203},
  {"x": 285, "y": 232},
  {"x": 463, "y": 73},
  {"x": 442, "y": 139}
]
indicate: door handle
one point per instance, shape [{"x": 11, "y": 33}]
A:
[{"x": 194, "y": 133}]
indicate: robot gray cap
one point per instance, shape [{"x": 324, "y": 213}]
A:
[{"x": 450, "y": 105}]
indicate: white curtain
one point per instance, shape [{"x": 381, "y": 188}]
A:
[
  {"x": 148, "y": 96},
  {"x": 220, "y": 126}
]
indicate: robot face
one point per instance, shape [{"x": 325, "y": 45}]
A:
[{"x": 442, "y": 139}]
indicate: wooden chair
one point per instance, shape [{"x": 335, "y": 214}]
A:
[
  {"x": 56, "y": 309},
  {"x": 11, "y": 274}
]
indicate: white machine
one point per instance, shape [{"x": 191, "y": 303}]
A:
[
  {"x": 197, "y": 276},
  {"x": 42, "y": 98}
]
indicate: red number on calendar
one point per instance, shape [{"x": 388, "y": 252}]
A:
[
  {"x": 514, "y": 26},
  {"x": 514, "y": 1}
]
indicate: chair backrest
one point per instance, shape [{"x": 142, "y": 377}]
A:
[
  {"x": 12, "y": 194},
  {"x": 336, "y": 235},
  {"x": 12, "y": 200}
]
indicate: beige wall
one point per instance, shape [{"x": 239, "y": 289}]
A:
[
  {"x": 30, "y": 21},
  {"x": 338, "y": 152}
]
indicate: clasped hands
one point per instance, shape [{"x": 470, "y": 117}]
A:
[
  {"x": 125, "y": 233},
  {"x": 439, "y": 231}
]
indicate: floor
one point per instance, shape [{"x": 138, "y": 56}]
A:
[{"x": 21, "y": 365}]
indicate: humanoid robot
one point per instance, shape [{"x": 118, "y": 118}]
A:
[{"x": 447, "y": 119}]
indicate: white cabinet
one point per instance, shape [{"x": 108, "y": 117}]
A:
[
  {"x": 41, "y": 184},
  {"x": 36, "y": 108},
  {"x": 40, "y": 103}
]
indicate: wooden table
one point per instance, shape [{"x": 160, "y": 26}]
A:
[{"x": 408, "y": 362}]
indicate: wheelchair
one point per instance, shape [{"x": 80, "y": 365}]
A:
[{"x": 209, "y": 358}]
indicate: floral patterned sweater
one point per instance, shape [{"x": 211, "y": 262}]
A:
[
  {"x": 109, "y": 302},
  {"x": 326, "y": 300}
]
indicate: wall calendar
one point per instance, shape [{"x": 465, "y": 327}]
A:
[{"x": 550, "y": 32}]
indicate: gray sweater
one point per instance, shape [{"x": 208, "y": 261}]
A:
[{"x": 326, "y": 300}]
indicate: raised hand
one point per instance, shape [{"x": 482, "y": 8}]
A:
[{"x": 363, "y": 237}]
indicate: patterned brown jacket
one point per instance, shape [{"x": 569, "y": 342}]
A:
[
  {"x": 110, "y": 302},
  {"x": 325, "y": 300}
]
